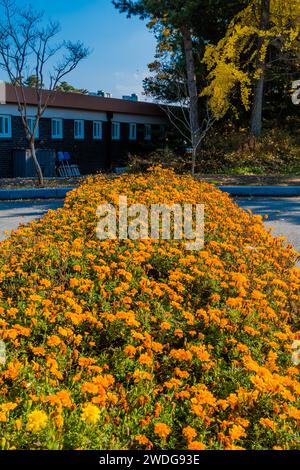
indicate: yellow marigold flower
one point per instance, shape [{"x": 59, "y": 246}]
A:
[
  {"x": 3, "y": 417},
  {"x": 162, "y": 430},
  {"x": 36, "y": 421},
  {"x": 90, "y": 414},
  {"x": 165, "y": 325}
]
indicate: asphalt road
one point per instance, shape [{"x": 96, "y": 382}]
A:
[{"x": 284, "y": 214}]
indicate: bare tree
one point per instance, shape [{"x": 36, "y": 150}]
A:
[
  {"x": 195, "y": 128},
  {"x": 180, "y": 116},
  {"x": 27, "y": 48}
]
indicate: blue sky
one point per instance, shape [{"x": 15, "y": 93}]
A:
[{"x": 121, "y": 47}]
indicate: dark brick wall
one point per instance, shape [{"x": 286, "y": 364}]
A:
[{"x": 91, "y": 155}]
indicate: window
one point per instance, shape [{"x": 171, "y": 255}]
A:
[
  {"x": 132, "y": 131},
  {"x": 115, "y": 130},
  {"x": 5, "y": 126},
  {"x": 97, "y": 130},
  {"x": 31, "y": 123},
  {"x": 79, "y": 129},
  {"x": 57, "y": 128},
  {"x": 162, "y": 132},
  {"x": 147, "y": 131}
]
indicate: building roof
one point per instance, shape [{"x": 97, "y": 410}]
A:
[{"x": 87, "y": 102}]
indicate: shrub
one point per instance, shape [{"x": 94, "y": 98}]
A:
[
  {"x": 141, "y": 344},
  {"x": 277, "y": 152}
]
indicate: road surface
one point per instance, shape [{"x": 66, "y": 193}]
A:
[
  {"x": 14, "y": 213},
  {"x": 283, "y": 215}
]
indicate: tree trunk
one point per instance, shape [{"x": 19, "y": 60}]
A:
[
  {"x": 257, "y": 107},
  {"x": 193, "y": 92},
  {"x": 194, "y": 156},
  {"x": 36, "y": 163}
]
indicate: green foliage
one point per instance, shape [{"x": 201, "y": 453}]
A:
[
  {"x": 33, "y": 82},
  {"x": 207, "y": 20},
  {"x": 67, "y": 88}
]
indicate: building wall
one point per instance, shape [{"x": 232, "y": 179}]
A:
[{"x": 91, "y": 155}]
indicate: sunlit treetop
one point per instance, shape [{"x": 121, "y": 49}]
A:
[{"x": 232, "y": 63}]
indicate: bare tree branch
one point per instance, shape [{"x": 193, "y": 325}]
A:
[{"x": 25, "y": 44}]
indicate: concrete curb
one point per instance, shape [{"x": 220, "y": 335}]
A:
[
  {"x": 242, "y": 191},
  {"x": 34, "y": 193},
  {"x": 262, "y": 191}
]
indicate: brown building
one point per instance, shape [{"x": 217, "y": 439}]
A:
[{"x": 97, "y": 132}]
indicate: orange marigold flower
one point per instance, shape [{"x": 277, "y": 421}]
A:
[
  {"x": 157, "y": 409},
  {"x": 178, "y": 332},
  {"x": 236, "y": 432},
  {"x": 162, "y": 430},
  {"x": 53, "y": 340},
  {"x": 77, "y": 268},
  {"x": 144, "y": 441},
  {"x": 189, "y": 433},
  {"x": 196, "y": 445},
  {"x": 268, "y": 423},
  {"x": 145, "y": 359},
  {"x": 130, "y": 350},
  {"x": 181, "y": 355},
  {"x": 294, "y": 413}
]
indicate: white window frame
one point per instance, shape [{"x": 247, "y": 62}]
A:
[
  {"x": 79, "y": 129},
  {"x": 59, "y": 134},
  {"x": 31, "y": 123},
  {"x": 6, "y": 134},
  {"x": 148, "y": 132},
  {"x": 99, "y": 126},
  {"x": 132, "y": 131},
  {"x": 115, "y": 130}
]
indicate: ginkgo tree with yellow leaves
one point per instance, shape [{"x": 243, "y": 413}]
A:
[{"x": 261, "y": 34}]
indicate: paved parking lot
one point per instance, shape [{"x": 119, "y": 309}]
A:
[
  {"x": 284, "y": 214},
  {"x": 14, "y": 213}
]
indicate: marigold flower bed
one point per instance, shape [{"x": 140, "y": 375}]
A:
[{"x": 142, "y": 344}]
